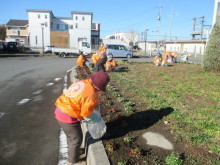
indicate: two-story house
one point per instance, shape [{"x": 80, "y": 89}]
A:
[
  {"x": 17, "y": 30},
  {"x": 66, "y": 32}
]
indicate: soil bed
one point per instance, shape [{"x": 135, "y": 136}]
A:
[{"x": 170, "y": 101}]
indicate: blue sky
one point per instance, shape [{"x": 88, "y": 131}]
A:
[{"x": 122, "y": 16}]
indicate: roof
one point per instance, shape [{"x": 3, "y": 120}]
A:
[
  {"x": 79, "y": 12},
  {"x": 66, "y": 18},
  {"x": 14, "y": 22},
  {"x": 38, "y": 10},
  {"x": 186, "y": 41}
]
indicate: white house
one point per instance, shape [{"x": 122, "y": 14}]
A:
[
  {"x": 46, "y": 29},
  {"x": 127, "y": 38}
]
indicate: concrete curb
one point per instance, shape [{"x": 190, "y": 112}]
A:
[
  {"x": 27, "y": 55},
  {"x": 95, "y": 151}
]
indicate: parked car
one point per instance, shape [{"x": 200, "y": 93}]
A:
[
  {"x": 1, "y": 46},
  {"x": 116, "y": 50},
  {"x": 49, "y": 49},
  {"x": 12, "y": 46}
]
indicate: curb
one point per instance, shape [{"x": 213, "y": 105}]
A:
[
  {"x": 27, "y": 55},
  {"x": 95, "y": 151}
]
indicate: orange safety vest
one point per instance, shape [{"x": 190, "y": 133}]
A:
[
  {"x": 112, "y": 63},
  {"x": 81, "y": 60},
  {"x": 96, "y": 57},
  {"x": 162, "y": 58},
  {"x": 102, "y": 49},
  {"x": 168, "y": 53},
  {"x": 79, "y": 100}
]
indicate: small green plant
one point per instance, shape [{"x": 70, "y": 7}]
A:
[
  {"x": 109, "y": 88},
  {"x": 128, "y": 108},
  {"x": 128, "y": 139},
  {"x": 121, "y": 163},
  {"x": 120, "y": 99},
  {"x": 114, "y": 94},
  {"x": 173, "y": 159}
]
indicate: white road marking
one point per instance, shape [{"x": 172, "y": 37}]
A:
[
  {"x": 23, "y": 101},
  {"x": 37, "y": 92},
  {"x": 2, "y": 114},
  {"x": 63, "y": 149},
  {"x": 50, "y": 84},
  {"x": 57, "y": 79}
]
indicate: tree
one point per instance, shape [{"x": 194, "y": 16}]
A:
[
  {"x": 2, "y": 32},
  {"x": 211, "y": 58}
]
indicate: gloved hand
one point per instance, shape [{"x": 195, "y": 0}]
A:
[
  {"x": 93, "y": 118},
  {"x": 97, "y": 108}
]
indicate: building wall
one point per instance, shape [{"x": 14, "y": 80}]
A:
[
  {"x": 70, "y": 29},
  {"x": 126, "y": 37},
  {"x": 60, "y": 37},
  {"x": 18, "y": 32},
  {"x": 35, "y": 29},
  {"x": 194, "y": 48},
  {"x": 81, "y": 29}
]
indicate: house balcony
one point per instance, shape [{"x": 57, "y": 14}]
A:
[{"x": 17, "y": 32}]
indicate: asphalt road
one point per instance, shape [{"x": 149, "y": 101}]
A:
[{"x": 29, "y": 86}]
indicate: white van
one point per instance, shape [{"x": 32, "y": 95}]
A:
[{"x": 116, "y": 50}]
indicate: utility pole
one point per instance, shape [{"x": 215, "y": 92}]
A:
[
  {"x": 202, "y": 25},
  {"x": 171, "y": 19},
  {"x": 159, "y": 22},
  {"x": 194, "y": 27},
  {"x": 42, "y": 26},
  {"x": 145, "y": 38}
]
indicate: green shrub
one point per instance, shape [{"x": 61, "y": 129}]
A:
[{"x": 211, "y": 59}]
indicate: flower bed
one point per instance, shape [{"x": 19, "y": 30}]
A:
[{"x": 134, "y": 105}]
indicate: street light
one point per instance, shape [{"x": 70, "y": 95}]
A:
[
  {"x": 42, "y": 26},
  {"x": 145, "y": 38}
]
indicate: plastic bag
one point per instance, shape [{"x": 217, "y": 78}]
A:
[{"x": 96, "y": 129}]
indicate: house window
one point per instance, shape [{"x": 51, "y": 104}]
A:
[
  {"x": 76, "y": 26},
  {"x": 62, "y": 27},
  {"x": 46, "y": 16},
  {"x": 76, "y": 18},
  {"x": 45, "y": 24},
  {"x": 83, "y": 18},
  {"x": 36, "y": 40},
  {"x": 71, "y": 26},
  {"x": 38, "y": 15}
]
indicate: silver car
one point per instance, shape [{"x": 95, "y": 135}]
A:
[{"x": 116, "y": 50}]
